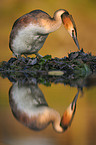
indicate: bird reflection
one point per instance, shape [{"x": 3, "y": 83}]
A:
[
  {"x": 29, "y": 107},
  {"x": 69, "y": 113}
]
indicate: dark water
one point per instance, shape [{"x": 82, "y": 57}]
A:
[{"x": 32, "y": 113}]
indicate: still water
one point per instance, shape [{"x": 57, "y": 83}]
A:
[{"x": 32, "y": 113}]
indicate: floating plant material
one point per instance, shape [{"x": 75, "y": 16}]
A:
[
  {"x": 55, "y": 73},
  {"x": 77, "y": 64}
]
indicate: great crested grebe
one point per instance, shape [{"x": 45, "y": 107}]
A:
[
  {"x": 30, "y": 31},
  {"x": 29, "y": 107}
]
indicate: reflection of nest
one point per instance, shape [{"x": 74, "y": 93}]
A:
[{"x": 76, "y": 66}]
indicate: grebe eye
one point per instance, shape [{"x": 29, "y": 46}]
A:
[{"x": 72, "y": 33}]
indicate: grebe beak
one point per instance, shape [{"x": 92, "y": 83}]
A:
[
  {"x": 75, "y": 40},
  {"x": 69, "y": 24}
]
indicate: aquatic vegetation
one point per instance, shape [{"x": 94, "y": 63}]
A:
[{"x": 77, "y": 64}]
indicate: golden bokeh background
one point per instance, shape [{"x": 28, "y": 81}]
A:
[{"x": 58, "y": 43}]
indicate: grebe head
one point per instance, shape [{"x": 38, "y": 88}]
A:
[
  {"x": 69, "y": 24},
  {"x": 68, "y": 115}
]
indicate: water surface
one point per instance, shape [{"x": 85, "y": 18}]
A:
[{"x": 14, "y": 130}]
